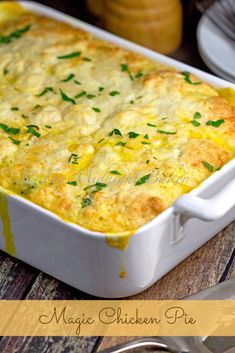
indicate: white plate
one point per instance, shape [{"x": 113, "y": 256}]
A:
[
  {"x": 216, "y": 48},
  {"x": 215, "y": 68}
]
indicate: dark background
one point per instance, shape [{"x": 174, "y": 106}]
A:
[{"x": 76, "y": 8}]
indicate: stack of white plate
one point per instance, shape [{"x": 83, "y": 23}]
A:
[{"x": 216, "y": 49}]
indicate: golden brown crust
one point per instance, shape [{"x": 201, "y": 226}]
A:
[
  {"x": 142, "y": 208},
  {"x": 220, "y": 108},
  {"x": 196, "y": 152},
  {"x": 121, "y": 212}
]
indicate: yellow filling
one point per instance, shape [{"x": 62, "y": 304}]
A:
[{"x": 6, "y": 225}]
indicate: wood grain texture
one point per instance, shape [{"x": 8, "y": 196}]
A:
[
  {"x": 230, "y": 268},
  {"x": 232, "y": 275},
  {"x": 47, "y": 344},
  {"x": 48, "y": 288},
  {"x": 15, "y": 277}
]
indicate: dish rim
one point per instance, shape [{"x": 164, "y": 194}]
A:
[{"x": 38, "y": 8}]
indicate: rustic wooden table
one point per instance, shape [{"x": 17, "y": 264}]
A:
[{"x": 212, "y": 263}]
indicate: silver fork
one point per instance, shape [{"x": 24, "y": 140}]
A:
[
  {"x": 169, "y": 344},
  {"x": 221, "y": 291},
  {"x": 221, "y": 13}
]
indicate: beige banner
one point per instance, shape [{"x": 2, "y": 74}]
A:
[{"x": 117, "y": 318}]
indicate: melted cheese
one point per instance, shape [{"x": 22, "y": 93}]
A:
[
  {"x": 6, "y": 226},
  {"x": 106, "y": 138}
]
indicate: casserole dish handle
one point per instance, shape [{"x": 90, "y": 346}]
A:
[{"x": 209, "y": 209}]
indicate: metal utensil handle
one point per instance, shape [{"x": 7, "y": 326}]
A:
[{"x": 141, "y": 343}]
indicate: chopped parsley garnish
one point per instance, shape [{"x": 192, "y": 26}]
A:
[
  {"x": 37, "y": 107},
  {"x": 77, "y": 82},
  {"x": 146, "y": 136},
  {"x": 16, "y": 142},
  {"x": 24, "y": 116},
  {"x": 5, "y": 71},
  {"x": 48, "y": 126},
  {"x": 166, "y": 132},
  {"x": 147, "y": 162},
  {"x": 91, "y": 96},
  {"x": 120, "y": 143},
  {"x": 132, "y": 102},
  {"x": 115, "y": 172},
  {"x": 14, "y": 35},
  {"x": 215, "y": 123},
  {"x": 101, "y": 140},
  {"x": 139, "y": 74},
  {"x": 67, "y": 98},
  {"x": 187, "y": 78},
  {"x": 81, "y": 94},
  {"x": 101, "y": 89},
  {"x": 73, "y": 159},
  {"x": 195, "y": 123},
  {"x": 46, "y": 90},
  {"x": 73, "y": 183},
  {"x": 95, "y": 187},
  {"x": 114, "y": 93},
  {"x": 208, "y": 166},
  {"x": 92, "y": 189},
  {"x": 86, "y": 201},
  {"x": 70, "y": 55},
  {"x": 68, "y": 78},
  {"x": 152, "y": 125},
  {"x": 133, "y": 135},
  {"x": 145, "y": 143},
  {"x": 86, "y": 59},
  {"x": 97, "y": 110},
  {"x": 115, "y": 132},
  {"x": 10, "y": 130},
  {"x": 125, "y": 68},
  {"x": 143, "y": 179},
  {"x": 33, "y": 126},
  {"x": 197, "y": 115},
  {"x": 15, "y": 109},
  {"x": 33, "y": 129}
]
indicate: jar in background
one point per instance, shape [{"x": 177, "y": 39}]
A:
[
  {"x": 156, "y": 24},
  {"x": 95, "y": 6}
]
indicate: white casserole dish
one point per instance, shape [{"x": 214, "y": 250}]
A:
[{"x": 82, "y": 258}]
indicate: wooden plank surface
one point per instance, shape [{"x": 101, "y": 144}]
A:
[
  {"x": 48, "y": 288},
  {"x": 47, "y": 344},
  {"x": 16, "y": 278}
]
